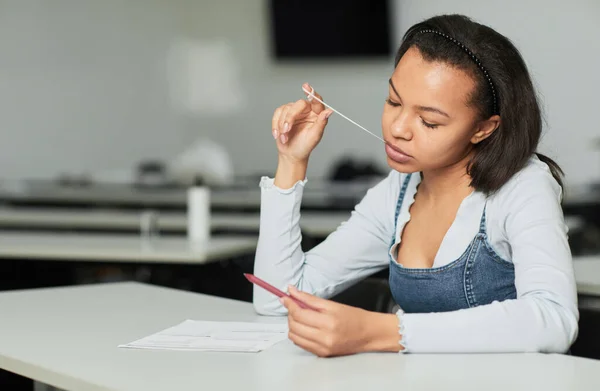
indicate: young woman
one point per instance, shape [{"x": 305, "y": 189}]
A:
[{"x": 468, "y": 221}]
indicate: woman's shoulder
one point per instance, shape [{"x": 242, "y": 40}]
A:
[{"x": 533, "y": 184}]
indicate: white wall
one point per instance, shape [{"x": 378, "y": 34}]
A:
[{"x": 85, "y": 84}]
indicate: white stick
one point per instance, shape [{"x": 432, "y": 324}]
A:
[{"x": 311, "y": 95}]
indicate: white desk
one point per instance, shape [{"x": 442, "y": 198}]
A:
[
  {"x": 120, "y": 248},
  {"x": 587, "y": 275},
  {"x": 67, "y": 337},
  {"x": 319, "y": 194},
  {"x": 316, "y": 224}
]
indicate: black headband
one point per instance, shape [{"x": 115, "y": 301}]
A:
[{"x": 474, "y": 58}]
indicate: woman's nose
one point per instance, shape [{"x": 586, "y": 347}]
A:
[{"x": 400, "y": 127}]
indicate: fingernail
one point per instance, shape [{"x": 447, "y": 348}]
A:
[
  {"x": 285, "y": 127},
  {"x": 283, "y": 138},
  {"x": 308, "y": 90},
  {"x": 281, "y": 300},
  {"x": 275, "y": 134},
  {"x": 328, "y": 114}
]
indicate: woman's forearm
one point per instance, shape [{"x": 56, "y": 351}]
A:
[
  {"x": 382, "y": 333},
  {"x": 289, "y": 172}
]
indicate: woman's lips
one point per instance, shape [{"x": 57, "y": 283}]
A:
[{"x": 396, "y": 154}]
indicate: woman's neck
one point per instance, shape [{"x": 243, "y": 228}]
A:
[{"x": 448, "y": 182}]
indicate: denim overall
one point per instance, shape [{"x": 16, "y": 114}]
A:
[{"x": 479, "y": 276}]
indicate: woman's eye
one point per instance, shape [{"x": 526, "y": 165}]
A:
[
  {"x": 427, "y": 124},
  {"x": 392, "y": 103}
]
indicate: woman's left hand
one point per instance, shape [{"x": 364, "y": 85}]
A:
[{"x": 333, "y": 329}]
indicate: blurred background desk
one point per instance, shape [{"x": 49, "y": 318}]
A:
[
  {"x": 320, "y": 195},
  {"x": 587, "y": 276},
  {"x": 120, "y": 248},
  {"x": 33, "y": 259},
  {"x": 315, "y": 224}
]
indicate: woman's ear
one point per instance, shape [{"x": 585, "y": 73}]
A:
[{"x": 485, "y": 129}]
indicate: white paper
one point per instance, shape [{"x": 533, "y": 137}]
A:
[{"x": 214, "y": 336}]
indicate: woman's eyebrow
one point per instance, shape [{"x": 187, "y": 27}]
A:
[
  {"x": 421, "y": 108},
  {"x": 394, "y": 88}
]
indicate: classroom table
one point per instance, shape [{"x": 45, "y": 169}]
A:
[
  {"x": 582, "y": 199},
  {"x": 68, "y": 337},
  {"x": 319, "y": 195},
  {"x": 315, "y": 224},
  {"x": 587, "y": 275},
  {"x": 83, "y": 247}
]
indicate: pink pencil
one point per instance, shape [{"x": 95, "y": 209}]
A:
[{"x": 265, "y": 285}]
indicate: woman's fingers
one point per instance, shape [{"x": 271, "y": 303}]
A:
[
  {"x": 315, "y": 105},
  {"x": 282, "y": 117},
  {"x": 275, "y": 122},
  {"x": 298, "y": 111}
]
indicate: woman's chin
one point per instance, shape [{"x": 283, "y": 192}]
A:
[{"x": 405, "y": 168}]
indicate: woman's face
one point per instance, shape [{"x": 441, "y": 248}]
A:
[{"x": 428, "y": 118}]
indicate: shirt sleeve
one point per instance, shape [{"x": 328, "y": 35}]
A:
[
  {"x": 357, "y": 249},
  {"x": 544, "y": 316}
]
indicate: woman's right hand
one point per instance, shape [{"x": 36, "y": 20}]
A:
[{"x": 298, "y": 127}]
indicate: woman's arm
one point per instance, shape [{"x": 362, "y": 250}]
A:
[{"x": 358, "y": 248}]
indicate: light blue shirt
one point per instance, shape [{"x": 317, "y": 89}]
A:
[{"x": 525, "y": 225}]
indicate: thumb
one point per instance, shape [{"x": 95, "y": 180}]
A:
[{"x": 312, "y": 301}]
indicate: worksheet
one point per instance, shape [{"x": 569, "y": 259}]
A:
[{"x": 214, "y": 336}]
